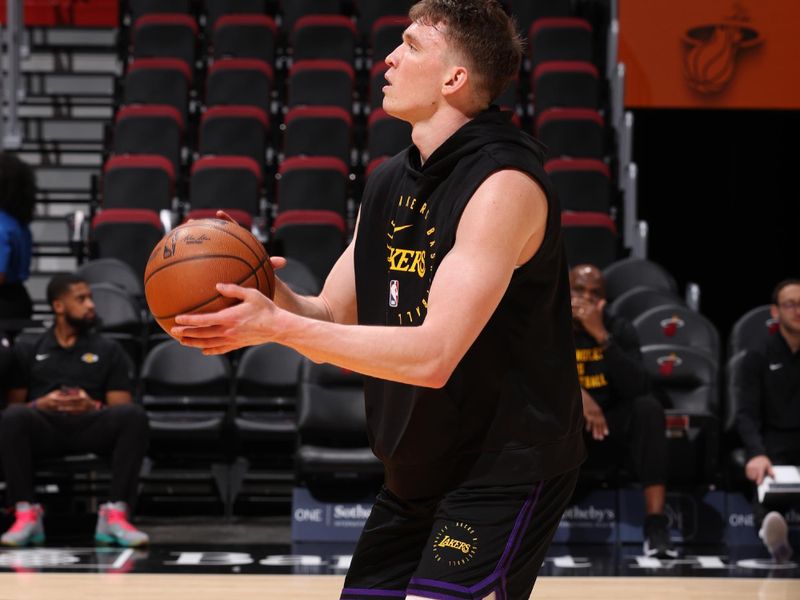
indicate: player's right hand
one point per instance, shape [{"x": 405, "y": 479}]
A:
[
  {"x": 758, "y": 467},
  {"x": 51, "y": 401},
  {"x": 593, "y": 414}
]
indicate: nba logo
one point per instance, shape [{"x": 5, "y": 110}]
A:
[{"x": 394, "y": 293}]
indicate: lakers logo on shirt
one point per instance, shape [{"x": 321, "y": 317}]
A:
[
  {"x": 90, "y": 358},
  {"x": 455, "y": 544}
]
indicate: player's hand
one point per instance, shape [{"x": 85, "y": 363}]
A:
[
  {"x": 758, "y": 467},
  {"x": 251, "y": 322},
  {"x": 75, "y": 401},
  {"x": 49, "y": 401},
  {"x": 595, "y": 419},
  {"x": 590, "y": 316}
]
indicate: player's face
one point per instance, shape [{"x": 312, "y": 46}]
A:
[
  {"x": 587, "y": 283},
  {"x": 418, "y": 68},
  {"x": 78, "y": 304},
  {"x": 787, "y": 310}
]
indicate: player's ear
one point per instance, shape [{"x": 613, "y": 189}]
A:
[
  {"x": 58, "y": 306},
  {"x": 456, "y": 80}
]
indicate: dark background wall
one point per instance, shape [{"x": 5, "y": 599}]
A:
[{"x": 721, "y": 193}]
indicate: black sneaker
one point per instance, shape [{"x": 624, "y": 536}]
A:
[{"x": 656, "y": 538}]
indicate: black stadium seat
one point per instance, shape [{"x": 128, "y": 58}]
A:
[
  {"x": 138, "y": 181},
  {"x": 245, "y": 36},
  {"x": 240, "y": 81},
  {"x": 312, "y": 183},
  {"x": 572, "y": 132},
  {"x": 235, "y": 130},
  {"x": 582, "y": 184},
  {"x": 386, "y": 35},
  {"x": 638, "y": 300},
  {"x": 372, "y": 11},
  {"x": 751, "y": 329},
  {"x": 321, "y": 83},
  {"x": 565, "y": 84},
  {"x": 680, "y": 326},
  {"x": 112, "y": 271},
  {"x": 318, "y": 131},
  {"x": 128, "y": 234},
  {"x": 386, "y": 135},
  {"x": 314, "y": 237},
  {"x": 165, "y": 36},
  {"x": 293, "y": 10},
  {"x": 376, "y": 83},
  {"x": 589, "y": 238},
  {"x": 560, "y": 38},
  {"x": 528, "y": 11},
  {"x": 150, "y": 129},
  {"x": 159, "y": 81},
  {"x": 120, "y": 318},
  {"x": 217, "y": 8},
  {"x": 145, "y": 7},
  {"x": 323, "y": 37},
  {"x": 629, "y": 273},
  {"x": 226, "y": 182}
]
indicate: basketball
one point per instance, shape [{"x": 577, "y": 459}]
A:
[{"x": 185, "y": 266}]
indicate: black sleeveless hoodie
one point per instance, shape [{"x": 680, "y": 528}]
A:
[{"x": 511, "y": 411}]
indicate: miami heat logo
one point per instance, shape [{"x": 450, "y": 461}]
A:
[{"x": 711, "y": 51}]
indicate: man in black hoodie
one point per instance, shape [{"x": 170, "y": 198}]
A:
[
  {"x": 453, "y": 300},
  {"x": 618, "y": 408}
]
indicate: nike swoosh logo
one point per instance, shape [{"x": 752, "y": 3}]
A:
[
  {"x": 396, "y": 229},
  {"x": 41, "y": 356},
  {"x": 775, "y": 367}
]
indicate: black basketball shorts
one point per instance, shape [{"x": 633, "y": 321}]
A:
[{"x": 461, "y": 546}]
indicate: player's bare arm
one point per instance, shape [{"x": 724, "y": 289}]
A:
[{"x": 501, "y": 228}]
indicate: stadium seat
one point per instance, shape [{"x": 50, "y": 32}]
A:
[
  {"x": 312, "y": 183},
  {"x": 120, "y": 318},
  {"x": 371, "y": 12},
  {"x": 321, "y": 83},
  {"x": 165, "y": 36},
  {"x": 751, "y": 329},
  {"x": 293, "y": 10},
  {"x": 159, "y": 81},
  {"x": 386, "y": 136},
  {"x": 138, "y": 181},
  {"x": 679, "y": 326},
  {"x": 314, "y": 237},
  {"x": 386, "y": 34},
  {"x": 217, "y": 8},
  {"x": 240, "y": 81},
  {"x": 733, "y": 449},
  {"x": 331, "y": 423},
  {"x": 235, "y": 131},
  {"x": 138, "y": 8},
  {"x": 323, "y": 37},
  {"x": 112, "y": 271},
  {"x": 226, "y": 182},
  {"x": 150, "y": 129},
  {"x": 571, "y": 132},
  {"x": 127, "y": 234},
  {"x": 565, "y": 84},
  {"x": 509, "y": 99},
  {"x": 628, "y": 273},
  {"x": 687, "y": 381},
  {"x": 582, "y": 184},
  {"x": 265, "y": 393},
  {"x": 318, "y": 131},
  {"x": 589, "y": 238},
  {"x": 243, "y": 218},
  {"x": 299, "y": 278},
  {"x": 374, "y": 164},
  {"x": 638, "y": 300},
  {"x": 528, "y": 11},
  {"x": 560, "y": 38},
  {"x": 244, "y": 36}
]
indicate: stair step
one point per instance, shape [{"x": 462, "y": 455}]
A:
[
  {"x": 69, "y": 84},
  {"x": 63, "y": 130},
  {"x": 65, "y": 179},
  {"x": 67, "y": 61},
  {"x": 72, "y": 38},
  {"x": 43, "y": 157}
]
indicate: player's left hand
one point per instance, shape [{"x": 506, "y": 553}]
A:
[
  {"x": 590, "y": 316},
  {"x": 75, "y": 402},
  {"x": 248, "y": 323}
]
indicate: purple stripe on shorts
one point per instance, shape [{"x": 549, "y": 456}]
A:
[
  {"x": 523, "y": 519},
  {"x": 433, "y": 595},
  {"x": 376, "y": 593},
  {"x": 440, "y": 584}
]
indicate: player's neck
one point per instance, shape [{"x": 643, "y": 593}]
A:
[
  {"x": 66, "y": 334},
  {"x": 431, "y": 133}
]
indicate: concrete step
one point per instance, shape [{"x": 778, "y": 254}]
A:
[
  {"x": 66, "y": 179},
  {"x": 88, "y": 85},
  {"x": 72, "y": 38},
  {"x": 63, "y": 130},
  {"x": 67, "y": 61}
]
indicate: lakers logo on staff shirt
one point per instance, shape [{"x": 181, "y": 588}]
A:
[
  {"x": 455, "y": 544},
  {"x": 90, "y": 358}
]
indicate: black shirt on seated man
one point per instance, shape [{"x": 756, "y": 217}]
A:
[
  {"x": 71, "y": 393},
  {"x": 617, "y": 404}
]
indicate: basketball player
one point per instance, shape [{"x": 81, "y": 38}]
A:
[{"x": 453, "y": 299}]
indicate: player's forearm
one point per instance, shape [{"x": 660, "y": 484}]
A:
[
  {"x": 409, "y": 355},
  {"x": 312, "y": 307}
]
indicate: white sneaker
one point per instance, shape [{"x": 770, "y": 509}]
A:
[{"x": 775, "y": 534}]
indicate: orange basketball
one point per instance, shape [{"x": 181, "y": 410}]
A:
[{"x": 186, "y": 265}]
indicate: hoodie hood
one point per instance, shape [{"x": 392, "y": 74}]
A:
[{"x": 490, "y": 126}]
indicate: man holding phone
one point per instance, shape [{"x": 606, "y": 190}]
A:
[{"x": 71, "y": 393}]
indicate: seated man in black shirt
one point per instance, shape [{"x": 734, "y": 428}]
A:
[
  {"x": 768, "y": 416},
  {"x": 617, "y": 405},
  {"x": 71, "y": 393}
]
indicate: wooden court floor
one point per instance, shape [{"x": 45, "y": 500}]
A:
[{"x": 39, "y": 586}]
